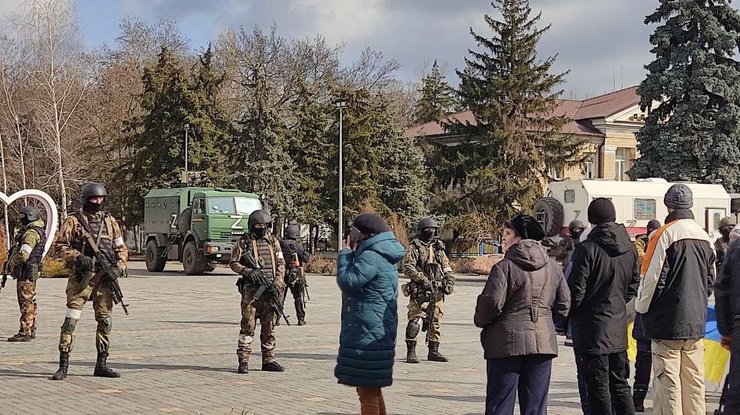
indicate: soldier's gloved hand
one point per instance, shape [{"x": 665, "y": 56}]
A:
[
  {"x": 83, "y": 263},
  {"x": 115, "y": 274},
  {"x": 449, "y": 287},
  {"x": 426, "y": 283},
  {"x": 252, "y": 276}
]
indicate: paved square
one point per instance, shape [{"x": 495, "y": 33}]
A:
[{"x": 176, "y": 353}]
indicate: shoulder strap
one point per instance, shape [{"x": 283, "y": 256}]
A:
[{"x": 87, "y": 232}]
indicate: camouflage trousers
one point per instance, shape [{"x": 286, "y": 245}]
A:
[
  {"x": 417, "y": 311},
  {"x": 250, "y": 313},
  {"x": 79, "y": 291},
  {"x": 26, "y": 290}
]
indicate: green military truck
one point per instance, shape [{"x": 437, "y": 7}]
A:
[{"x": 194, "y": 225}]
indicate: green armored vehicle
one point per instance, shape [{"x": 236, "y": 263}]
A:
[{"x": 195, "y": 225}]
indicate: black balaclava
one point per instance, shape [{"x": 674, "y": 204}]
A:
[
  {"x": 576, "y": 233},
  {"x": 427, "y": 234},
  {"x": 93, "y": 207},
  {"x": 260, "y": 232}
]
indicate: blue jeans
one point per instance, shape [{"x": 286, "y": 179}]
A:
[{"x": 529, "y": 375}]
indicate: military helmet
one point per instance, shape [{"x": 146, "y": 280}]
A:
[
  {"x": 292, "y": 232},
  {"x": 92, "y": 190},
  {"x": 426, "y": 223},
  {"x": 258, "y": 216},
  {"x": 576, "y": 224},
  {"x": 30, "y": 213}
]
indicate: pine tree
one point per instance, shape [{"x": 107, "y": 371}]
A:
[
  {"x": 437, "y": 98},
  {"x": 515, "y": 140},
  {"x": 692, "y": 134}
]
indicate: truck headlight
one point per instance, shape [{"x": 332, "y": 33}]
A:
[{"x": 212, "y": 249}]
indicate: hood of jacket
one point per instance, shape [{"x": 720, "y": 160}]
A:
[
  {"x": 612, "y": 237},
  {"x": 528, "y": 254},
  {"x": 384, "y": 244}
]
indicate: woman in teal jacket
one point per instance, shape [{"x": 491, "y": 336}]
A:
[{"x": 368, "y": 278}]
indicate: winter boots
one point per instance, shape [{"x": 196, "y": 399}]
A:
[
  {"x": 101, "y": 368},
  {"x": 411, "y": 352},
  {"x": 272, "y": 367},
  {"x": 638, "y": 397},
  {"x": 434, "y": 355},
  {"x": 243, "y": 367},
  {"x": 63, "y": 367},
  {"x": 20, "y": 337}
]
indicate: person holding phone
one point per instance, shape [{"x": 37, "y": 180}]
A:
[{"x": 368, "y": 278}]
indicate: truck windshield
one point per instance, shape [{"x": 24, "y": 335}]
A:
[
  {"x": 220, "y": 205},
  {"x": 246, "y": 205}
]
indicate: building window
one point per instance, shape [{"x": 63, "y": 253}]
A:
[
  {"x": 569, "y": 196},
  {"x": 644, "y": 209},
  {"x": 620, "y": 164},
  {"x": 555, "y": 174},
  {"x": 589, "y": 167}
]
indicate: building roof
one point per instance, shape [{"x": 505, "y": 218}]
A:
[{"x": 581, "y": 113}]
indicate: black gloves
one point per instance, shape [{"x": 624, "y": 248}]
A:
[
  {"x": 83, "y": 264},
  {"x": 449, "y": 286}
]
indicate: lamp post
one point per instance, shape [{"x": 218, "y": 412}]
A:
[
  {"x": 187, "y": 127},
  {"x": 340, "y": 232}
]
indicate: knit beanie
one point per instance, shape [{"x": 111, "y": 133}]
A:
[
  {"x": 370, "y": 224},
  {"x": 652, "y": 225},
  {"x": 679, "y": 196},
  {"x": 601, "y": 210},
  {"x": 527, "y": 227}
]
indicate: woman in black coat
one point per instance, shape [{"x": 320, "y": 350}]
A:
[{"x": 515, "y": 312}]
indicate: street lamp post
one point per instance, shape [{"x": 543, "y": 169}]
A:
[
  {"x": 187, "y": 127},
  {"x": 340, "y": 232}
]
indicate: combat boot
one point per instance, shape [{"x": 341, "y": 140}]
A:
[
  {"x": 243, "y": 367},
  {"x": 411, "y": 352},
  {"x": 638, "y": 397},
  {"x": 63, "y": 366},
  {"x": 301, "y": 322},
  {"x": 101, "y": 367},
  {"x": 20, "y": 337},
  {"x": 434, "y": 355},
  {"x": 272, "y": 367}
]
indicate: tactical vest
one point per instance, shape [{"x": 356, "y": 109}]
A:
[
  {"x": 30, "y": 268},
  {"x": 428, "y": 253},
  {"x": 289, "y": 253},
  {"x": 264, "y": 253},
  {"x": 105, "y": 242}
]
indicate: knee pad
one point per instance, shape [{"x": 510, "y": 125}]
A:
[
  {"x": 69, "y": 325},
  {"x": 105, "y": 324},
  {"x": 412, "y": 329}
]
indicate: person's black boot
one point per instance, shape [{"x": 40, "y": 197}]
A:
[
  {"x": 638, "y": 397},
  {"x": 434, "y": 355},
  {"x": 272, "y": 367},
  {"x": 411, "y": 352},
  {"x": 300, "y": 312},
  {"x": 63, "y": 366},
  {"x": 20, "y": 337},
  {"x": 243, "y": 367},
  {"x": 101, "y": 367}
]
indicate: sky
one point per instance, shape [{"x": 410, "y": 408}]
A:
[{"x": 603, "y": 43}]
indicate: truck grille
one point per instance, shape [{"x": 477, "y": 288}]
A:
[{"x": 230, "y": 235}]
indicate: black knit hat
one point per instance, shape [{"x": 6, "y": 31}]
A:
[
  {"x": 526, "y": 227},
  {"x": 653, "y": 225},
  {"x": 601, "y": 210},
  {"x": 370, "y": 224}
]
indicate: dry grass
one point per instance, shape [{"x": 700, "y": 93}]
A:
[
  {"x": 319, "y": 264},
  {"x": 462, "y": 265},
  {"x": 54, "y": 268}
]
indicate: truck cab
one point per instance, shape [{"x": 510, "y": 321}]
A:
[{"x": 195, "y": 225}]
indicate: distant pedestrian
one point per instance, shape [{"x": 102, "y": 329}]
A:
[
  {"x": 727, "y": 303},
  {"x": 515, "y": 312}
]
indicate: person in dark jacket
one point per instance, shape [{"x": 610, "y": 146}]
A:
[
  {"x": 296, "y": 258},
  {"x": 727, "y": 307},
  {"x": 515, "y": 312},
  {"x": 603, "y": 278},
  {"x": 368, "y": 278},
  {"x": 677, "y": 276}
]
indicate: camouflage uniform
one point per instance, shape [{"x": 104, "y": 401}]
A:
[
  {"x": 81, "y": 287},
  {"x": 25, "y": 266},
  {"x": 419, "y": 254},
  {"x": 267, "y": 252}
]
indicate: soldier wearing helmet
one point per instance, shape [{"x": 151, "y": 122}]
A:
[
  {"x": 428, "y": 268},
  {"x": 295, "y": 279},
  {"x": 568, "y": 242},
  {"x": 86, "y": 281},
  {"x": 265, "y": 250},
  {"x": 24, "y": 265}
]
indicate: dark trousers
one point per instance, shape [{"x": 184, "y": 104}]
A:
[
  {"x": 527, "y": 375},
  {"x": 643, "y": 366},
  {"x": 582, "y": 387},
  {"x": 606, "y": 380},
  {"x": 733, "y": 394}
]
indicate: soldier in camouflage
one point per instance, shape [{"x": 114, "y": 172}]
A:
[
  {"x": 265, "y": 249},
  {"x": 425, "y": 250},
  {"x": 295, "y": 279},
  {"x": 87, "y": 280},
  {"x": 25, "y": 266}
]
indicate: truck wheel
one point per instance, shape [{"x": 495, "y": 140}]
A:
[
  {"x": 192, "y": 260},
  {"x": 549, "y": 213},
  {"x": 153, "y": 256},
  {"x": 208, "y": 266}
]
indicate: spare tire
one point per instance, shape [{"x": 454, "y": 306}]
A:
[
  {"x": 183, "y": 221},
  {"x": 550, "y": 214}
]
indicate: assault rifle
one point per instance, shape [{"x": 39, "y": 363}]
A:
[
  {"x": 265, "y": 284},
  {"x": 6, "y": 266},
  {"x": 433, "y": 271},
  {"x": 110, "y": 271}
]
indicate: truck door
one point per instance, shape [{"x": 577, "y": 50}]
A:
[{"x": 200, "y": 220}]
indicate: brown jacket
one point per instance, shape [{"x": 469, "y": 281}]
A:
[{"x": 515, "y": 308}]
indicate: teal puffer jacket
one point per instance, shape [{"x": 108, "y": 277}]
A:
[{"x": 368, "y": 279}]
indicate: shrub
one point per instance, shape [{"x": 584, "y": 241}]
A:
[
  {"x": 54, "y": 268},
  {"x": 320, "y": 264}
]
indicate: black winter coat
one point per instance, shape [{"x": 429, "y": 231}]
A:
[
  {"x": 516, "y": 306},
  {"x": 604, "y": 278},
  {"x": 727, "y": 291}
]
